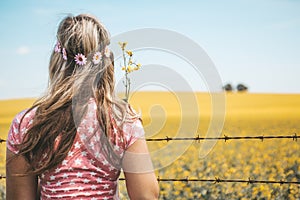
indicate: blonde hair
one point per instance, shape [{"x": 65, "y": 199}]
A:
[{"x": 71, "y": 85}]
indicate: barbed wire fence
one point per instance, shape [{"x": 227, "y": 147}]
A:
[
  {"x": 215, "y": 180},
  {"x": 294, "y": 137},
  {"x": 225, "y": 138}
]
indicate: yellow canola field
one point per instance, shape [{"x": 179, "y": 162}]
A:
[{"x": 177, "y": 115}]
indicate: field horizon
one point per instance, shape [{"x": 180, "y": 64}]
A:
[{"x": 248, "y": 106}]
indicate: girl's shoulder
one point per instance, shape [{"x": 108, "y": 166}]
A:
[
  {"x": 132, "y": 131},
  {"x": 25, "y": 115},
  {"x": 24, "y": 118},
  {"x": 19, "y": 126}
]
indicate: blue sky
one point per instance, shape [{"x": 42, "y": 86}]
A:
[{"x": 253, "y": 42}]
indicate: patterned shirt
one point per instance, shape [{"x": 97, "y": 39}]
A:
[{"x": 85, "y": 173}]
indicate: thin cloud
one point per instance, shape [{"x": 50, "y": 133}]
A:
[{"x": 23, "y": 50}]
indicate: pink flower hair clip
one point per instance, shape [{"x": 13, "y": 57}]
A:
[
  {"x": 97, "y": 58},
  {"x": 57, "y": 48},
  {"x": 107, "y": 51},
  {"x": 81, "y": 59},
  {"x": 64, "y": 53}
]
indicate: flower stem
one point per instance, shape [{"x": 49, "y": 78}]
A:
[{"x": 126, "y": 77}]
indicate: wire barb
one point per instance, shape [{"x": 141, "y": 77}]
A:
[
  {"x": 281, "y": 181},
  {"x": 262, "y": 138},
  {"x": 198, "y": 138},
  {"x": 249, "y": 181},
  {"x": 295, "y": 137},
  {"x": 167, "y": 138},
  {"x": 225, "y": 137},
  {"x": 187, "y": 179},
  {"x": 217, "y": 180},
  {"x": 2, "y": 176}
]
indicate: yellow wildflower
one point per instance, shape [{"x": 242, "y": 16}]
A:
[
  {"x": 129, "y": 68},
  {"x": 129, "y": 53},
  {"x": 122, "y": 45}
]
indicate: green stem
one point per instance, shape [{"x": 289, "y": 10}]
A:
[{"x": 126, "y": 78}]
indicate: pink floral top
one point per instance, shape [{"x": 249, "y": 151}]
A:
[{"x": 85, "y": 173}]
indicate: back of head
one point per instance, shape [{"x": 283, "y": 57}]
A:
[
  {"x": 81, "y": 67},
  {"x": 81, "y": 35}
]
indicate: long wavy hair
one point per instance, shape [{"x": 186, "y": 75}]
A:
[{"x": 61, "y": 109}]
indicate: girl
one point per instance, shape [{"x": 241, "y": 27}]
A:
[{"x": 73, "y": 142}]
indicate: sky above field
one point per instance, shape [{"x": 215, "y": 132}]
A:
[{"x": 252, "y": 42}]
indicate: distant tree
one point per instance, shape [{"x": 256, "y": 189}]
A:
[
  {"x": 241, "y": 88},
  {"x": 228, "y": 87}
]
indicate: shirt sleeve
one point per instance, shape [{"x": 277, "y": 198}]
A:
[
  {"x": 16, "y": 133},
  {"x": 133, "y": 131}
]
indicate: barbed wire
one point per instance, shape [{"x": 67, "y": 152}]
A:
[
  {"x": 219, "y": 180},
  {"x": 215, "y": 180},
  {"x": 225, "y": 138}
]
